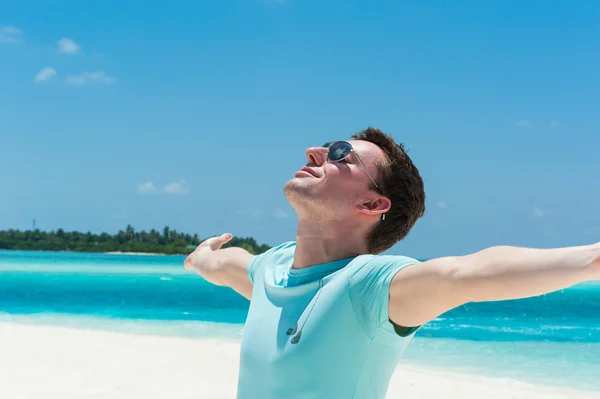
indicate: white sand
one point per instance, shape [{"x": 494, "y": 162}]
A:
[{"x": 52, "y": 363}]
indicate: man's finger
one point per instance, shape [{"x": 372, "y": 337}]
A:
[
  {"x": 220, "y": 241},
  {"x": 217, "y": 242},
  {"x": 187, "y": 263}
]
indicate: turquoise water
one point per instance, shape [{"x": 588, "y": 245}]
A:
[{"x": 552, "y": 339}]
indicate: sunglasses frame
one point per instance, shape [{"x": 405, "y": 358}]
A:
[{"x": 329, "y": 144}]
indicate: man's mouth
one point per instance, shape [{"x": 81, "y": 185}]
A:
[{"x": 309, "y": 171}]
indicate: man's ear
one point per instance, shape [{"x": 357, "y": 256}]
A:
[{"x": 375, "y": 206}]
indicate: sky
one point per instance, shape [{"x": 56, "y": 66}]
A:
[{"x": 194, "y": 114}]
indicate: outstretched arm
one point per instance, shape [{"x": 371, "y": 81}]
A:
[
  {"x": 226, "y": 267},
  {"x": 424, "y": 291}
]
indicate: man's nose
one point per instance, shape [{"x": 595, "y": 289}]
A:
[{"x": 316, "y": 155}]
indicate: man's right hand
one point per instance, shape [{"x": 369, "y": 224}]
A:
[
  {"x": 225, "y": 267},
  {"x": 202, "y": 260}
]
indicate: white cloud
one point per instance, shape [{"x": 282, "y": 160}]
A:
[
  {"x": 118, "y": 215},
  {"x": 525, "y": 123},
  {"x": 441, "y": 204},
  {"x": 146, "y": 188},
  {"x": 252, "y": 212},
  {"x": 68, "y": 46},
  {"x": 280, "y": 214},
  {"x": 45, "y": 74},
  {"x": 537, "y": 212},
  {"x": 172, "y": 188},
  {"x": 10, "y": 34},
  {"x": 553, "y": 124},
  {"x": 98, "y": 77},
  {"x": 177, "y": 187}
]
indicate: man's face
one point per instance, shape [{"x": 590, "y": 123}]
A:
[{"x": 335, "y": 188}]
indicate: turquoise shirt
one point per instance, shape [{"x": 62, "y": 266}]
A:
[{"x": 321, "y": 331}]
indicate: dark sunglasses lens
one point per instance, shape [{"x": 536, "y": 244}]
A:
[{"x": 339, "y": 150}]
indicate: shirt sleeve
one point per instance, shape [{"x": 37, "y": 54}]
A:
[
  {"x": 257, "y": 262},
  {"x": 369, "y": 289}
]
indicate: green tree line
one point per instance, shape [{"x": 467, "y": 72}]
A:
[{"x": 166, "y": 242}]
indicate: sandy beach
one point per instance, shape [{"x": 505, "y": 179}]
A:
[{"x": 68, "y": 363}]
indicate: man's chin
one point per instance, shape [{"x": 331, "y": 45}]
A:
[
  {"x": 294, "y": 182},
  {"x": 297, "y": 188}
]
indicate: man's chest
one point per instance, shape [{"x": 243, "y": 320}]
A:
[{"x": 287, "y": 327}]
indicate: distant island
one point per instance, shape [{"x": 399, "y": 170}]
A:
[{"x": 166, "y": 242}]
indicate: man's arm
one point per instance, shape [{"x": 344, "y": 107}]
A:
[
  {"x": 421, "y": 292},
  {"x": 225, "y": 267}
]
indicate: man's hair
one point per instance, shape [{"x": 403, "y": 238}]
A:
[{"x": 400, "y": 181}]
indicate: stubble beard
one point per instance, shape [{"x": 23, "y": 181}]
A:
[{"x": 306, "y": 202}]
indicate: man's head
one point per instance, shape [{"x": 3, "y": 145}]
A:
[
  {"x": 401, "y": 182},
  {"x": 375, "y": 189}
]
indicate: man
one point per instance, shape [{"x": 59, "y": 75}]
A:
[{"x": 329, "y": 315}]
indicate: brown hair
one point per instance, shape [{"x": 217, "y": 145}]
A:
[{"x": 400, "y": 181}]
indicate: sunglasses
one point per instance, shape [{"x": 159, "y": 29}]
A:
[{"x": 339, "y": 150}]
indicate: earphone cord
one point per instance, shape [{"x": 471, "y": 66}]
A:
[{"x": 313, "y": 305}]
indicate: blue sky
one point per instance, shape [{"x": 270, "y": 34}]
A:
[{"x": 194, "y": 115}]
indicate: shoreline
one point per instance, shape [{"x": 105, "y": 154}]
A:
[
  {"x": 92, "y": 252},
  {"x": 137, "y": 253},
  {"x": 71, "y": 362}
]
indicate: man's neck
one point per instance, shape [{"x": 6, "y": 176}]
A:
[{"x": 316, "y": 245}]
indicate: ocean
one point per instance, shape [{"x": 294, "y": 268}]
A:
[{"x": 552, "y": 339}]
